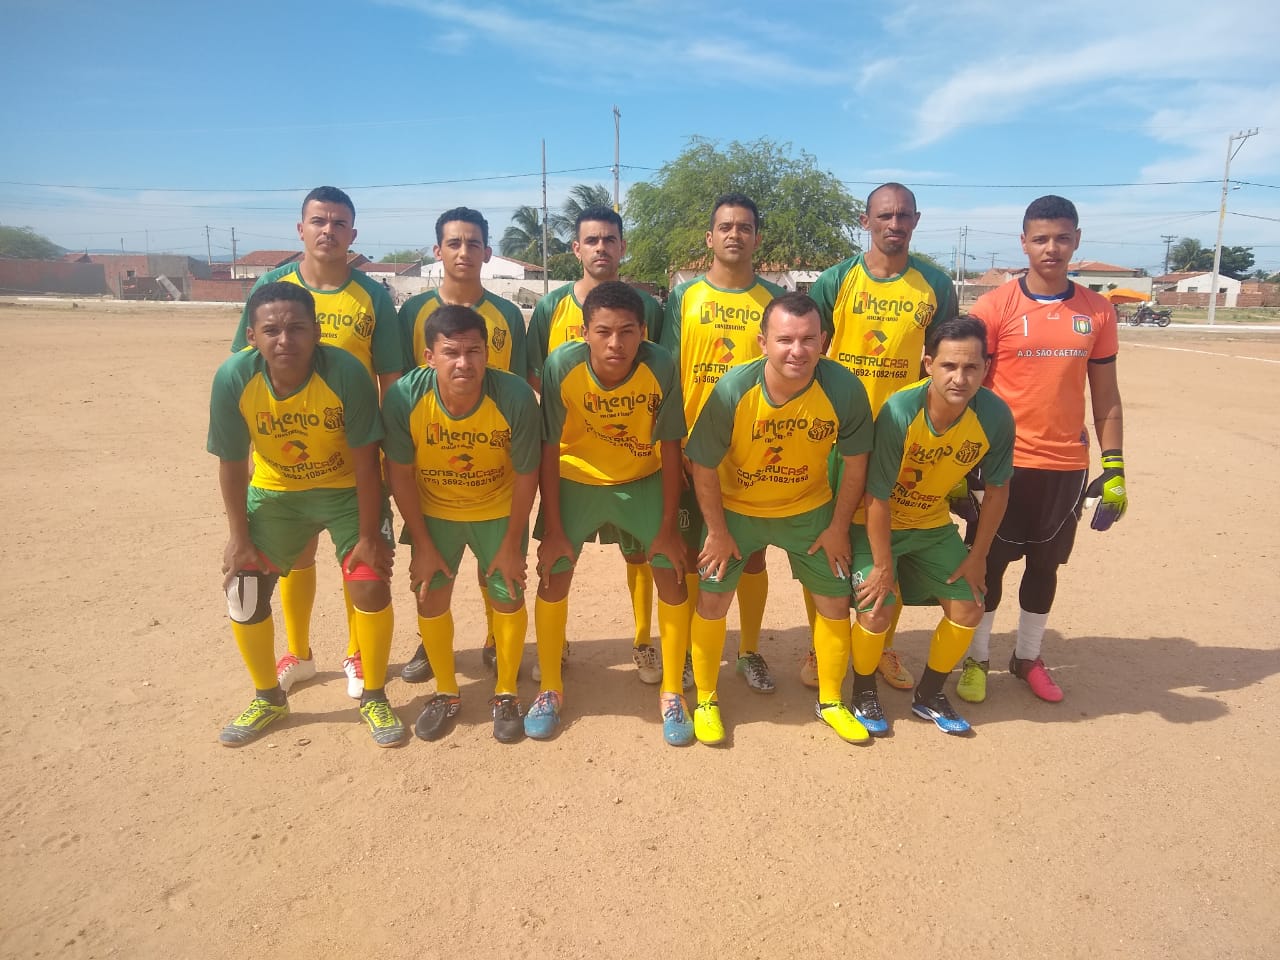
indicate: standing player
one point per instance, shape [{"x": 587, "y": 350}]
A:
[
  {"x": 928, "y": 437},
  {"x": 877, "y": 308},
  {"x": 612, "y": 426},
  {"x": 462, "y": 247},
  {"x": 310, "y": 415},
  {"x": 712, "y": 323},
  {"x": 356, "y": 315},
  {"x": 557, "y": 319},
  {"x": 462, "y": 450},
  {"x": 1049, "y": 338},
  {"x": 760, "y": 452}
]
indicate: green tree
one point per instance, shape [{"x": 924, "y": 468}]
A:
[
  {"x": 808, "y": 217},
  {"x": 564, "y": 266},
  {"x": 928, "y": 259},
  {"x": 23, "y": 243},
  {"x": 1236, "y": 262},
  {"x": 405, "y": 256},
  {"x": 523, "y": 238},
  {"x": 1189, "y": 255},
  {"x": 581, "y": 196}
]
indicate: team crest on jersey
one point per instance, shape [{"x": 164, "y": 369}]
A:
[
  {"x": 500, "y": 438},
  {"x": 333, "y": 418},
  {"x": 363, "y": 326},
  {"x": 652, "y": 405},
  {"x": 924, "y": 313},
  {"x": 821, "y": 429},
  {"x": 499, "y": 339},
  {"x": 1081, "y": 324},
  {"x": 968, "y": 453}
]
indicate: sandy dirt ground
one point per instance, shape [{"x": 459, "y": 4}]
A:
[{"x": 1137, "y": 819}]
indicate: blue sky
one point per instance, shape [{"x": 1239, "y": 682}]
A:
[{"x": 981, "y": 105}]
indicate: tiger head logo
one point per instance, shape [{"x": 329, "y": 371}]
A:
[{"x": 333, "y": 418}]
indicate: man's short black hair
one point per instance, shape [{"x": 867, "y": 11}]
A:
[
  {"x": 276, "y": 293},
  {"x": 964, "y": 327},
  {"x": 450, "y": 320},
  {"x": 597, "y": 214},
  {"x": 329, "y": 195},
  {"x": 892, "y": 185},
  {"x": 735, "y": 200},
  {"x": 1051, "y": 207},
  {"x": 793, "y": 302},
  {"x": 613, "y": 295},
  {"x": 465, "y": 215}
]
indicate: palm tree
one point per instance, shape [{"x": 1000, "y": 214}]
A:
[
  {"x": 581, "y": 196},
  {"x": 1187, "y": 254},
  {"x": 523, "y": 238}
]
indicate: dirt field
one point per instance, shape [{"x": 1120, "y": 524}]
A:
[{"x": 1137, "y": 819}]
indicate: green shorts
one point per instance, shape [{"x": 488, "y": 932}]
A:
[
  {"x": 484, "y": 537},
  {"x": 282, "y": 522},
  {"x": 690, "y": 519},
  {"x": 794, "y": 535},
  {"x": 635, "y": 508},
  {"x": 922, "y": 562}
]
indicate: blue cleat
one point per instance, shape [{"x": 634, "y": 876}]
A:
[
  {"x": 938, "y": 709},
  {"x": 677, "y": 725},
  {"x": 543, "y": 719},
  {"x": 866, "y": 707}
]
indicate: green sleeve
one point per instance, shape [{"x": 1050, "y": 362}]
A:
[
  {"x": 886, "y": 453},
  {"x": 519, "y": 405},
  {"x": 671, "y": 323},
  {"x": 241, "y": 339},
  {"x": 396, "y": 407},
  {"x": 824, "y": 292},
  {"x": 347, "y": 378},
  {"x": 228, "y": 433},
  {"x": 538, "y": 334},
  {"x": 552, "y": 403},
  {"x": 669, "y": 423},
  {"x": 652, "y": 318},
  {"x": 387, "y": 346},
  {"x": 404, "y": 326},
  {"x": 997, "y": 423},
  {"x": 849, "y": 398},
  {"x": 945, "y": 291},
  {"x": 713, "y": 432},
  {"x": 519, "y": 340}
]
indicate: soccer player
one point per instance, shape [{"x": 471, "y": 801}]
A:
[
  {"x": 557, "y": 319},
  {"x": 612, "y": 425},
  {"x": 462, "y": 449},
  {"x": 760, "y": 452},
  {"x": 462, "y": 247},
  {"x": 877, "y": 308},
  {"x": 1049, "y": 339},
  {"x": 712, "y": 323},
  {"x": 309, "y": 412},
  {"x": 356, "y": 315},
  {"x": 928, "y": 437}
]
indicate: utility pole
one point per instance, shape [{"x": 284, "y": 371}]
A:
[
  {"x": 233, "y": 251},
  {"x": 1242, "y": 136},
  {"x": 1167, "y": 241},
  {"x": 546, "y": 280},
  {"x": 208, "y": 247},
  {"x": 617, "y": 156},
  {"x": 993, "y": 254}
]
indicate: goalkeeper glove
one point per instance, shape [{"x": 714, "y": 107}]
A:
[
  {"x": 1106, "y": 493},
  {"x": 962, "y": 501}
]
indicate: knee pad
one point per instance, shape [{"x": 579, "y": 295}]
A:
[{"x": 249, "y": 596}]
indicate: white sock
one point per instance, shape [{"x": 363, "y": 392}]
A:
[
  {"x": 1030, "y": 634},
  {"x": 980, "y": 645}
]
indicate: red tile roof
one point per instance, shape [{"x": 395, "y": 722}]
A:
[
  {"x": 268, "y": 258},
  {"x": 1097, "y": 266}
]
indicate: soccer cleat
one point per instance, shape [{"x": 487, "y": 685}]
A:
[
  {"x": 753, "y": 667},
  {"x": 1037, "y": 676},
  {"x": 707, "y": 725},
  {"x": 894, "y": 673},
  {"x": 837, "y": 716},
  {"x": 353, "y": 667},
  {"x": 677, "y": 727},
  {"x": 543, "y": 719},
  {"x": 938, "y": 709},
  {"x": 972, "y": 685},
  {"x": 508, "y": 726},
  {"x": 437, "y": 716},
  {"x": 537, "y": 670},
  {"x": 809, "y": 670},
  {"x": 686, "y": 676},
  {"x": 384, "y": 725},
  {"x": 251, "y": 724},
  {"x": 645, "y": 657},
  {"x": 489, "y": 654},
  {"x": 291, "y": 670},
  {"x": 866, "y": 707},
  {"x": 418, "y": 669}
]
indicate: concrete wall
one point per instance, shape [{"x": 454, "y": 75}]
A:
[
  {"x": 52, "y": 276},
  {"x": 223, "y": 291}
]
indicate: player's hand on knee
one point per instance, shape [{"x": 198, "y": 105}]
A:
[
  {"x": 834, "y": 542},
  {"x": 424, "y": 564},
  {"x": 973, "y": 569},
  {"x": 513, "y": 567},
  {"x": 553, "y": 547},
  {"x": 1106, "y": 494},
  {"x": 717, "y": 551},
  {"x": 238, "y": 555},
  {"x": 373, "y": 552}
]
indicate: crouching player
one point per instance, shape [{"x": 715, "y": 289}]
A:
[
  {"x": 928, "y": 437},
  {"x": 310, "y": 414},
  {"x": 613, "y": 419},
  {"x": 462, "y": 458}
]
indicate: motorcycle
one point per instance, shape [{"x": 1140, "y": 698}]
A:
[{"x": 1147, "y": 315}]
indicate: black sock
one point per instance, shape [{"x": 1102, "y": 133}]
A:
[
  {"x": 862, "y": 682},
  {"x": 379, "y": 694},
  {"x": 274, "y": 695},
  {"x": 930, "y": 685}
]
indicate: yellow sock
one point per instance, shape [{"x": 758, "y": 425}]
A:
[
  {"x": 640, "y": 586},
  {"x": 673, "y": 631},
  {"x": 692, "y": 584},
  {"x": 353, "y": 639},
  {"x": 549, "y": 621},
  {"x": 508, "y": 637},
  {"x": 831, "y": 644},
  {"x": 867, "y": 649},
  {"x": 437, "y": 640},
  {"x": 948, "y": 645},
  {"x": 893, "y": 625},
  {"x": 488, "y": 614},
  {"x": 373, "y": 631},
  {"x": 297, "y": 598},
  {"x": 810, "y": 610},
  {"x": 257, "y": 643},
  {"x": 706, "y": 637},
  {"x": 753, "y": 591}
]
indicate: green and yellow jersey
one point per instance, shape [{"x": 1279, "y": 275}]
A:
[
  {"x": 773, "y": 458},
  {"x": 358, "y": 317},
  {"x": 557, "y": 320},
  {"x": 465, "y": 466},
  {"x": 302, "y": 441},
  {"x": 709, "y": 330},
  {"x": 913, "y": 466},
  {"x": 609, "y": 436},
  {"x": 878, "y": 326},
  {"x": 503, "y": 319}
]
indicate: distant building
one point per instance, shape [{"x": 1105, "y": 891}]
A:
[
  {"x": 498, "y": 268},
  {"x": 257, "y": 262}
]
